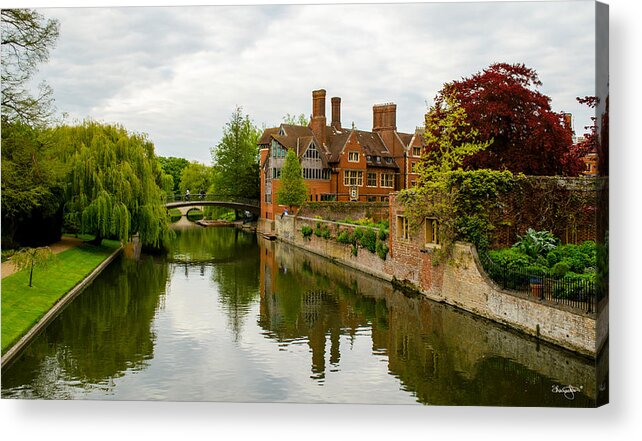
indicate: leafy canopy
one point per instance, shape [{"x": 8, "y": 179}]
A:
[
  {"x": 292, "y": 191},
  {"x": 503, "y": 105},
  {"x": 236, "y": 158},
  {"x": 196, "y": 177},
  {"x": 174, "y": 167},
  {"x": 114, "y": 184}
]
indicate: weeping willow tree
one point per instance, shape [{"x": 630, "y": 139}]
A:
[{"x": 115, "y": 184}]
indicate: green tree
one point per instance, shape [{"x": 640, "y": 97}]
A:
[
  {"x": 299, "y": 120},
  {"x": 32, "y": 186},
  {"x": 31, "y": 257},
  {"x": 27, "y": 38},
  {"x": 236, "y": 158},
  {"x": 174, "y": 167},
  {"x": 114, "y": 184},
  {"x": 196, "y": 177},
  {"x": 292, "y": 191}
]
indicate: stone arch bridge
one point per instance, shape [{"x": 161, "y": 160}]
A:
[{"x": 185, "y": 205}]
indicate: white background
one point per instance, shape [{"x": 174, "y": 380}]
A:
[{"x": 618, "y": 420}]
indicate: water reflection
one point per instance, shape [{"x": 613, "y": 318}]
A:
[
  {"x": 224, "y": 318},
  {"x": 114, "y": 320},
  {"x": 441, "y": 355}
]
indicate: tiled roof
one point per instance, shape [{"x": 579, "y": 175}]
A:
[{"x": 266, "y": 136}]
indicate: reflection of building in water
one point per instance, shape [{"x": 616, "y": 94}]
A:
[
  {"x": 289, "y": 312},
  {"x": 440, "y": 354}
]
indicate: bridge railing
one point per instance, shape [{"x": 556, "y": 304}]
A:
[{"x": 197, "y": 197}]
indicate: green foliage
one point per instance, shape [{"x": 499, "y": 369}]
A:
[
  {"x": 382, "y": 250},
  {"x": 306, "y": 231},
  {"x": 114, "y": 184},
  {"x": 236, "y": 158},
  {"x": 560, "y": 269},
  {"x": 174, "y": 214},
  {"x": 383, "y": 234},
  {"x": 326, "y": 233},
  {"x": 474, "y": 229},
  {"x": 354, "y": 250},
  {"x": 196, "y": 177},
  {"x": 450, "y": 140},
  {"x": 510, "y": 258},
  {"x": 173, "y": 167},
  {"x": 317, "y": 230},
  {"x": 28, "y": 258},
  {"x": 32, "y": 186},
  {"x": 292, "y": 191},
  {"x": 195, "y": 215},
  {"x": 357, "y": 235},
  {"x": 368, "y": 240},
  {"x": 344, "y": 237},
  {"x": 536, "y": 243},
  {"x": 574, "y": 286},
  {"x": 577, "y": 257},
  {"x": 22, "y": 308},
  {"x": 297, "y": 120}
]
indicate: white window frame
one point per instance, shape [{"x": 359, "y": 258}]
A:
[
  {"x": 431, "y": 232},
  {"x": 352, "y": 154},
  {"x": 403, "y": 228},
  {"x": 348, "y": 178},
  {"x": 392, "y": 180},
  {"x": 376, "y": 179}
]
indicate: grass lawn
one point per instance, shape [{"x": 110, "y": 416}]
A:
[{"x": 23, "y": 306}]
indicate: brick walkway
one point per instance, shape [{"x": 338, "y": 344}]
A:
[{"x": 64, "y": 244}]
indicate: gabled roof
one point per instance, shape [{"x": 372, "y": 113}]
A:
[{"x": 266, "y": 137}]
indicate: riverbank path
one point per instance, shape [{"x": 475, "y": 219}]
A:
[{"x": 63, "y": 244}]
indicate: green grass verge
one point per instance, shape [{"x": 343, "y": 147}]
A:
[{"x": 23, "y": 306}]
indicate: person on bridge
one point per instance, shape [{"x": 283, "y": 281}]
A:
[{"x": 187, "y": 195}]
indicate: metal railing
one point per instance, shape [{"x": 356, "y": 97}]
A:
[
  {"x": 576, "y": 293},
  {"x": 198, "y": 197}
]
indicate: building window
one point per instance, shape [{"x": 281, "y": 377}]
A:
[
  {"x": 268, "y": 198},
  {"x": 387, "y": 180},
  {"x": 388, "y": 160},
  {"x": 413, "y": 183},
  {"x": 403, "y": 228},
  {"x": 372, "y": 179},
  {"x": 416, "y": 152},
  {"x": 328, "y": 197},
  {"x": 413, "y": 167},
  {"x": 377, "y": 158},
  {"x": 278, "y": 151},
  {"x": 276, "y": 173},
  {"x": 353, "y": 156},
  {"x": 384, "y": 198},
  {"x": 353, "y": 177},
  {"x": 432, "y": 231},
  {"x": 312, "y": 153}
]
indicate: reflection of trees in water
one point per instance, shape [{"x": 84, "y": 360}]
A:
[
  {"x": 106, "y": 330},
  {"x": 440, "y": 354},
  {"x": 212, "y": 245}
]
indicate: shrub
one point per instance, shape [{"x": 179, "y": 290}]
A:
[
  {"x": 325, "y": 233},
  {"x": 578, "y": 257},
  {"x": 510, "y": 258},
  {"x": 354, "y": 250},
  {"x": 560, "y": 269},
  {"x": 369, "y": 240},
  {"x": 383, "y": 234},
  {"x": 357, "y": 235},
  {"x": 573, "y": 286},
  {"x": 306, "y": 231},
  {"x": 317, "y": 230},
  {"x": 536, "y": 243},
  {"x": 344, "y": 237},
  {"x": 473, "y": 229},
  {"x": 382, "y": 250}
]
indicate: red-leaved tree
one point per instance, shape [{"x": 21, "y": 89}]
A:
[{"x": 502, "y": 104}]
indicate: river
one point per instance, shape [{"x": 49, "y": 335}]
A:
[{"x": 227, "y": 316}]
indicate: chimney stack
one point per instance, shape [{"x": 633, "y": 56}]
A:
[
  {"x": 384, "y": 117},
  {"x": 318, "y": 121},
  {"x": 336, "y": 112}
]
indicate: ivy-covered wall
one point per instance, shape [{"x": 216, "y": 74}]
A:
[{"x": 338, "y": 211}]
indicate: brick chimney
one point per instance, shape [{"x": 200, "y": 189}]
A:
[
  {"x": 318, "y": 121},
  {"x": 336, "y": 112},
  {"x": 384, "y": 117}
]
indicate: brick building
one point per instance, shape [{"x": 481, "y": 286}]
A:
[{"x": 340, "y": 164}]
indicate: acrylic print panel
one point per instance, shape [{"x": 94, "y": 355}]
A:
[{"x": 308, "y": 204}]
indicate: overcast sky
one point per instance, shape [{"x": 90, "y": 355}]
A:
[{"x": 177, "y": 73}]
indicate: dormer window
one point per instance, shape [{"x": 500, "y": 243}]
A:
[
  {"x": 378, "y": 158},
  {"x": 388, "y": 160},
  {"x": 353, "y": 156},
  {"x": 369, "y": 157},
  {"x": 282, "y": 131},
  {"x": 312, "y": 152}
]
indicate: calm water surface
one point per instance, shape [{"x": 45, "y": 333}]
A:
[{"x": 229, "y": 317}]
